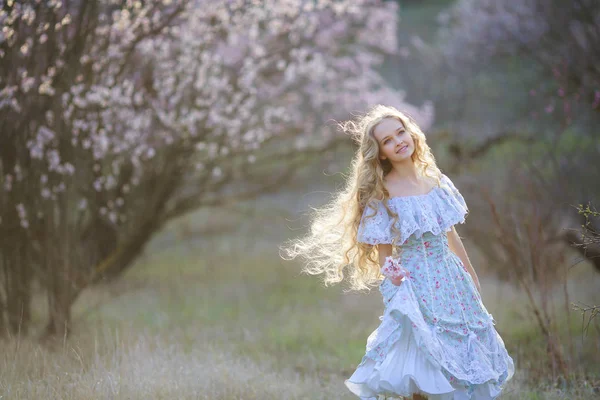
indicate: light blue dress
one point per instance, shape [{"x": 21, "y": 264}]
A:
[{"x": 436, "y": 337}]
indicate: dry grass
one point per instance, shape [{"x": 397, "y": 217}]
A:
[{"x": 129, "y": 365}]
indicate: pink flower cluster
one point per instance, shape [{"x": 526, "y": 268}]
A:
[{"x": 391, "y": 269}]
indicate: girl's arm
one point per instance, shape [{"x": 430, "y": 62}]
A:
[
  {"x": 457, "y": 247},
  {"x": 384, "y": 251}
]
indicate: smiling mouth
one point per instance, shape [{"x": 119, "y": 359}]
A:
[{"x": 402, "y": 149}]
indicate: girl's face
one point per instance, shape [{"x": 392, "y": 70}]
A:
[{"x": 395, "y": 143}]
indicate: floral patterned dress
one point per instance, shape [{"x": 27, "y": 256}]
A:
[{"x": 435, "y": 338}]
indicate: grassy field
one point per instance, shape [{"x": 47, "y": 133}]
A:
[{"x": 224, "y": 318}]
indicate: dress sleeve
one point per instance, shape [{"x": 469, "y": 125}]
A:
[
  {"x": 375, "y": 225},
  {"x": 457, "y": 201}
]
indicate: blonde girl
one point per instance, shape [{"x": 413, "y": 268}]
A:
[{"x": 393, "y": 226}]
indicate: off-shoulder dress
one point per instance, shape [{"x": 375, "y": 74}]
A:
[{"x": 436, "y": 338}]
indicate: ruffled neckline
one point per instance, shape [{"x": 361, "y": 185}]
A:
[{"x": 435, "y": 212}]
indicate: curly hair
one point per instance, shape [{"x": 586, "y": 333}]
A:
[{"x": 331, "y": 246}]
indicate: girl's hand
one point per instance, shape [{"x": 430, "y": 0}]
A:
[
  {"x": 393, "y": 271},
  {"x": 397, "y": 281}
]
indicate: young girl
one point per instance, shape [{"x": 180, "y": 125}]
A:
[{"x": 395, "y": 220}]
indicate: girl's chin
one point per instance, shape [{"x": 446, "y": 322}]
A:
[{"x": 403, "y": 155}]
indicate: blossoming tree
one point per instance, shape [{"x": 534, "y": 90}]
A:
[{"x": 118, "y": 115}]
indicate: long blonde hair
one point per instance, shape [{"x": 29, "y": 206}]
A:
[{"x": 331, "y": 246}]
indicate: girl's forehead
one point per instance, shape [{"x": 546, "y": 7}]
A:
[{"x": 386, "y": 127}]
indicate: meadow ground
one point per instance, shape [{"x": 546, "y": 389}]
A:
[{"x": 224, "y": 318}]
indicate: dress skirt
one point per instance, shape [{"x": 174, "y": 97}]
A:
[{"x": 405, "y": 357}]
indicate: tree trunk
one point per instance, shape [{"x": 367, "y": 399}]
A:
[
  {"x": 2, "y": 312},
  {"x": 113, "y": 266},
  {"x": 64, "y": 289},
  {"x": 18, "y": 290},
  {"x": 60, "y": 299},
  {"x": 59, "y": 323},
  {"x": 125, "y": 255}
]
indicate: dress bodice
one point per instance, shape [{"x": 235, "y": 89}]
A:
[{"x": 418, "y": 234}]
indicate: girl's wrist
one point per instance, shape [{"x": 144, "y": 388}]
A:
[{"x": 391, "y": 269}]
